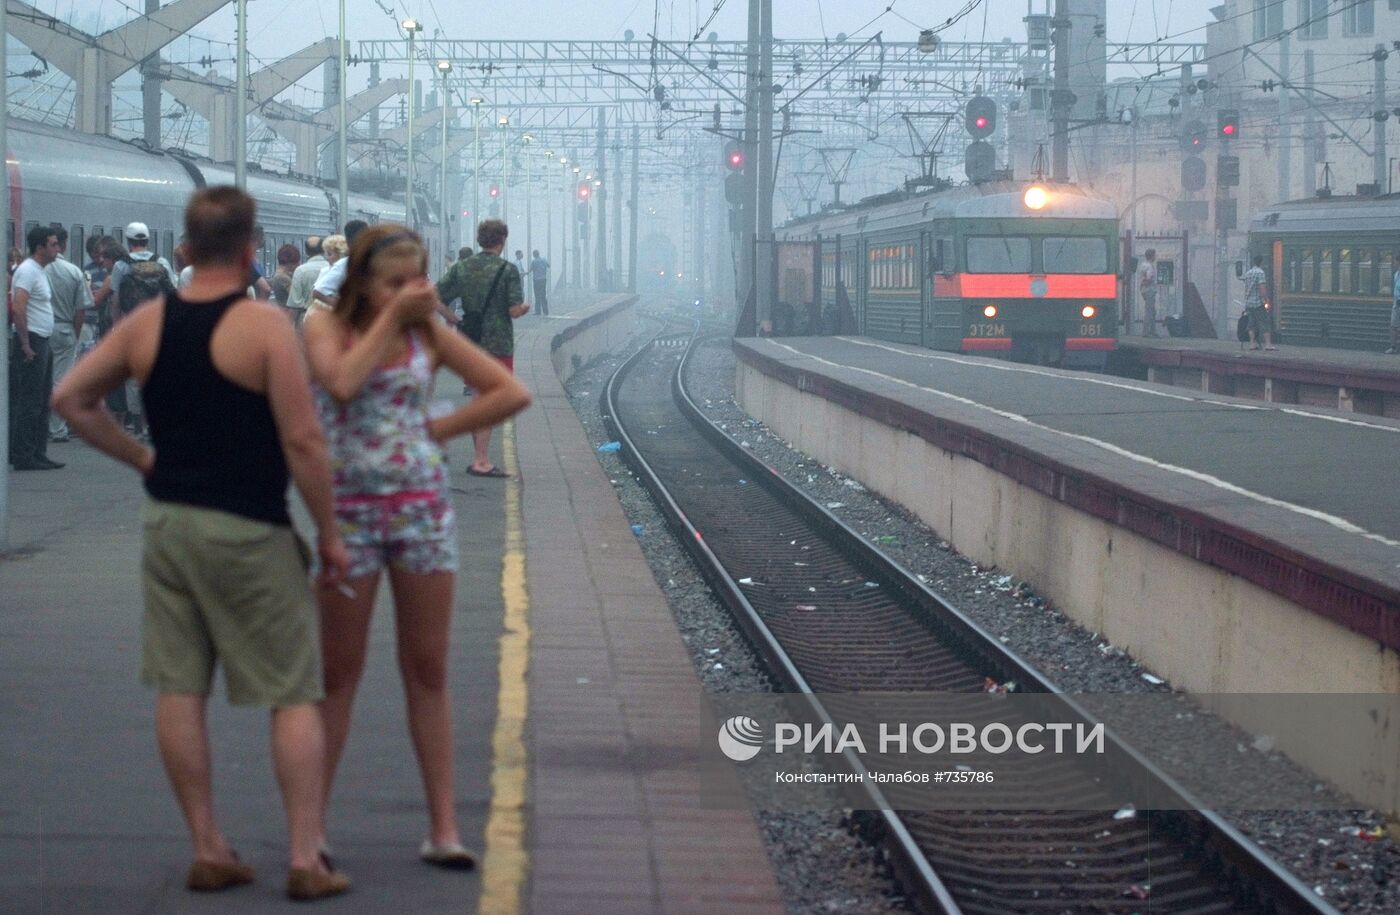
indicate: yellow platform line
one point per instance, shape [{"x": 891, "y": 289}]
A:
[{"x": 506, "y": 862}]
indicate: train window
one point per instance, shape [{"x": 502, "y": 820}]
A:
[
  {"x": 1326, "y": 270},
  {"x": 1366, "y": 271},
  {"x": 1386, "y": 264},
  {"x": 1307, "y": 270},
  {"x": 1075, "y": 255},
  {"x": 1346, "y": 266},
  {"x": 998, "y": 255},
  {"x": 77, "y": 245},
  {"x": 1292, "y": 270}
]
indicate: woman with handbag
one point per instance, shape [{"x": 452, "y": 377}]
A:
[{"x": 373, "y": 358}]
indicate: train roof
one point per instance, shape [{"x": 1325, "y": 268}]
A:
[
  {"x": 993, "y": 200},
  {"x": 1329, "y": 214}
]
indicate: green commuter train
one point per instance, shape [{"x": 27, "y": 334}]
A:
[{"x": 1011, "y": 269}]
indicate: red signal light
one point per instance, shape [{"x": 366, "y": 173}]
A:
[
  {"x": 981, "y": 123},
  {"x": 495, "y": 191},
  {"x": 1228, "y": 130},
  {"x": 584, "y": 192}
]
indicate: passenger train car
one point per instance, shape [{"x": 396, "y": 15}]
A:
[
  {"x": 96, "y": 185},
  {"x": 1026, "y": 272},
  {"x": 1331, "y": 262}
]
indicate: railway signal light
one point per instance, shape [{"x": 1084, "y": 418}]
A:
[
  {"x": 494, "y": 191},
  {"x": 1227, "y": 124},
  {"x": 1226, "y": 214},
  {"x": 1193, "y": 173},
  {"x": 980, "y": 117},
  {"x": 585, "y": 190},
  {"x": 980, "y": 161},
  {"x": 734, "y": 189},
  {"x": 1193, "y": 137},
  {"x": 1227, "y": 171},
  {"x": 734, "y": 156}
]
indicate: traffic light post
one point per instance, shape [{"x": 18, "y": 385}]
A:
[{"x": 980, "y": 122}]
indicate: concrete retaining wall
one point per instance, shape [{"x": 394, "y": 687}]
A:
[
  {"x": 1205, "y": 629},
  {"x": 600, "y": 328}
]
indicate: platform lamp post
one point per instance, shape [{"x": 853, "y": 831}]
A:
[
  {"x": 476, "y": 101},
  {"x": 342, "y": 139},
  {"x": 564, "y": 228},
  {"x": 412, "y": 27},
  {"x": 444, "y": 67},
  {"x": 525, "y": 140},
  {"x": 503, "y": 123}
]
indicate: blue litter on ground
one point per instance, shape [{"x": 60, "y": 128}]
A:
[{"x": 610, "y": 447}]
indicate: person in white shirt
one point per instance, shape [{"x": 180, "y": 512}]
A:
[
  {"x": 304, "y": 278},
  {"x": 1147, "y": 291},
  {"x": 328, "y": 285},
  {"x": 72, "y": 306},
  {"x": 31, "y": 359}
]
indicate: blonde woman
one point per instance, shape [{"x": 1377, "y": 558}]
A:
[{"x": 373, "y": 356}]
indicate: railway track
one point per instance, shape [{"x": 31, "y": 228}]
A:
[{"x": 820, "y": 628}]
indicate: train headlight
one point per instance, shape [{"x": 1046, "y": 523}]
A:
[
  {"x": 989, "y": 312},
  {"x": 1088, "y": 311},
  {"x": 1036, "y": 197}
]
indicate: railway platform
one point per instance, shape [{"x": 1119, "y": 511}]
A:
[
  {"x": 1228, "y": 544},
  {"x": 1353, "y": 381},
  {"x": 572, "y": 695}
]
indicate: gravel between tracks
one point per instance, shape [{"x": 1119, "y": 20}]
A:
[
  {"x": 820, "y": 864},
  {"x": 1350, "y": 872}
]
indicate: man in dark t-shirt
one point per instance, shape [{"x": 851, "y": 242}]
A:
[{"x": 493, "y": 296}]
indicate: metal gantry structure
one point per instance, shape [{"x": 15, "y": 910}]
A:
[{"x": 515, "y": 110}]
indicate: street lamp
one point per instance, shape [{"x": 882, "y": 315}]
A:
[
  {"x": 476, "y": 101},
  {"x": 526, "y": 139},
  {"x": 444, "y": 67},
  {"x": 412, "y": 27},
  {"x": 549, "y": 208}
]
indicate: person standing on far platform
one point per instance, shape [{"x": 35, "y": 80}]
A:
[
  {"x": 225, "y": 584},
  {"x": 72, "y": 302},
  {"x": 374, "y": 358},
  {"x": 1256, "y": 306},
  {"x": 539, "y": 277},
  {"x": 1147, "y": 291},
  {"x": 492, "y": 298},
  {"x": 31, "y": 358}
]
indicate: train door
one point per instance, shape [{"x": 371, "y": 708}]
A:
[
  {"x": 925, "y": 282},
  {"x": 862, "y": 274}
]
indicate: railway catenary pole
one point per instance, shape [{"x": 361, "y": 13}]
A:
[
  {"x": 763, "y": 256},
  {"x": 412, "y": 27},
  {"x": 1310, "y": 139},
  {"x": 529, "y": 290},
  {"x": 548, "y": 212},
  {"x": 476, "y": 101},
  {"x": 1285, "y": 138},
  {"x": 635, "y": 204},
  {"x": 616, "y": 198},
  {"x": 503, "y": 124},
  {"x": 444, "y": 68},
  {"x": 342, "y": 164},
  {"x": 1381, "y": 168},
  {"x": 150, "y": 91},
  {"x": 4, "y": 350},
  {"x": 240, "y": 104},
  {"x": 1060, "y": 104},
  {"x": 749, "y": 145},
  {"x": 600, "y": 204}
]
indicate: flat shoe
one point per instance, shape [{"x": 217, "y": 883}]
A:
[
  {"x": 305, "y": 884},
  {"x": 493, "y": 472},
  {"x": 451, "y": 855},
  {"x": 209, "y": 877}
]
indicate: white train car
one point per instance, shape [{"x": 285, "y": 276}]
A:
[{"x": 94, "y": 186}]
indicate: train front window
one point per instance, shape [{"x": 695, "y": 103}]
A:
[
  {"x": 1075, "y": 255},
  {"x": 987, "y": 254}
]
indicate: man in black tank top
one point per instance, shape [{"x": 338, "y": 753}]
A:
[{"x": 229, "y": 405}]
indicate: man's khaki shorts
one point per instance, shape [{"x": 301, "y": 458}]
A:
[{"x": 221, "y": 587}]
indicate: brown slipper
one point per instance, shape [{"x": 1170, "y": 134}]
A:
[
  {"x": 305, "y": 884},
  {"x": 209, "y": 877}
]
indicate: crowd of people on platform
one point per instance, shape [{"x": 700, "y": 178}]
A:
[{"x": 202, "y": 384}]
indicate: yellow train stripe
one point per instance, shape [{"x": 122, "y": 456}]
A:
[{"x": 506, "y": 862}]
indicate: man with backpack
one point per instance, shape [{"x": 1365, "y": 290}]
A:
[
  {"x": 140, "y": 277},
  {"x": 493, "y": 296}
]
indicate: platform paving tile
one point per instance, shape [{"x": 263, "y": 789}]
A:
[{"x": 615, "y": 823}]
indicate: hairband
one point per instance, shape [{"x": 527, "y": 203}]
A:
[{"x": 390, "y": 240}]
